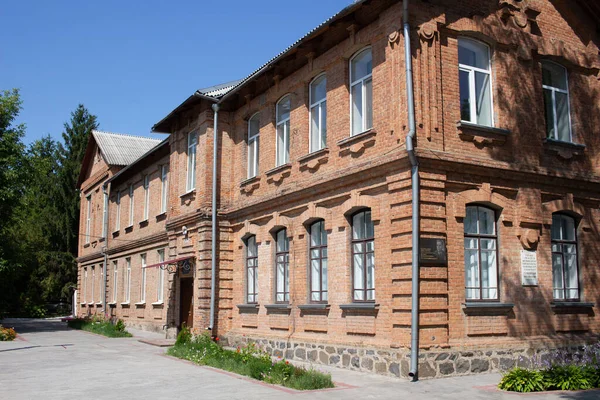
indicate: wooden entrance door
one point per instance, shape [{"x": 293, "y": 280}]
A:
[{"x": 186, "y": 303}]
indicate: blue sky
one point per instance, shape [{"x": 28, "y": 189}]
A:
[{"x": 131, "y": 62}]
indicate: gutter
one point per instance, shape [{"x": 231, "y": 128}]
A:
[
  {"x": 213, "y": 279},
  {"x": 414, "y": 330}
]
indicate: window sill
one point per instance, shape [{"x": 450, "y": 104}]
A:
[
  {"x": 482, "y": 135},
  {"x": 116, "y": 233},
  {"x": 125, "y": 304},
  {"x": 357, "y": 143},
  {"x": 86, "y": 245},
  {"x": 102, "y": 239},
  {"x": 83, "y": 304},
  {"x": 566, "y": 150},
  {"x": 248, "y": 308},
  {"x": 99, "y": 304},
  {"x": 314, "y": 160},
  {"x": 128, "y": 228},
  {"x": 316, "y": 306},
  {"x": 487, "y": 308},
  {"x": 161, "y": 216},
  {"x": 143, "y": 223},
  {"x": 188, "y": 193},
  {"x": 360, "y": 307},
  {"x": 282, "y": 308},
  {"x": 112, "y": 304},
  {"x": 278, "y": 169},
  {"x": 278, "y": 174},
  {"x": 571, "y": 304},
  {"x": 91, "y": 304},
  {"x": 141, "y": 304},
  {"x": 250, "y": 185},
  {"x": 158, "y": 304}
]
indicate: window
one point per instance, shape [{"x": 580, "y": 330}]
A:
[
  {"x": 88, "y": 218},
  {"x": 118, "y": 218},
  {"x": 481, "y": 254},
  {"x": 102, "y": 285},
  {"x": 283, "y": 130},
  {"x": 131, "y": 205},
  {"x": 475, "y": 78},
  {"x": 161, "y": 278},
  {"x": 363, "y": 257},
  {"x": 556, "y": 101},
  {"x": 104, "y": 207},
  {"x": 191, "y": 162},
  {"x": 84, "y": 286},
  {"x": 361, "y": 91},
  {"x": 318, "y": 262},
  {"x": 253, "y": 145},
  {"x": 93, "y": 282},
  {"x": 282, "y": 262},
  {"x": 164, "y": 170},
  {"x": 128, "y": 280},
  {"x": 565, "y": 274},
  {"x": 115, "y": 281},
  {"x": 251, "y": 270},
  {"x": 143, "y": 283},
  {"x": 146, "y": 197},
  {"x": 318, "y": 113}
]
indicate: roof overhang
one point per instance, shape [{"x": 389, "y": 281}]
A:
[{"x": 137, "y": 163}]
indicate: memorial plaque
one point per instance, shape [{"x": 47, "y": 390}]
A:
[
  {"x": 529, "y": 270},
  {"x": 433, "y": 252}
]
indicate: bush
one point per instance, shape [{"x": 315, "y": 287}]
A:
[
  {"x": 97, "y": 324},
  {"x": 523, "y": 380},
  {"x": 7, "y": 334},
  {"x": 249, "y": 361},
  {"x": 184, "y": 336},
  {"x": 570, "y": 377}
]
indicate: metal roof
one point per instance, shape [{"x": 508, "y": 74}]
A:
[
  {"x": 120, "y": 149},
  {"x": 219, "y": 90}
]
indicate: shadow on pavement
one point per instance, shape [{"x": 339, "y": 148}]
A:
[{"x": 29, "y": 325}]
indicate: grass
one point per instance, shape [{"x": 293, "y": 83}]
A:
[
  {"x": 249, "y": 361},
  {"x": 101, "y": 327}
]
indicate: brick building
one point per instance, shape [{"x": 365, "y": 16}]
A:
[{"x": 314, "y": 242}]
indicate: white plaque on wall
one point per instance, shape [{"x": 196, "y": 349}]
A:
[{"x": 529, "y": 273}]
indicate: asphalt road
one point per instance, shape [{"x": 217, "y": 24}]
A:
[{"x": 50, "y": 361}]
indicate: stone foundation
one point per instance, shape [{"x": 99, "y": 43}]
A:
[{"x": 396, "y": 362}]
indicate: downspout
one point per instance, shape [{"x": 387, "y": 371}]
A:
[
  {"x": 213, "y": 279},
  {"x": 414, "y": 330},
  {"x": 105, "y": 229}
]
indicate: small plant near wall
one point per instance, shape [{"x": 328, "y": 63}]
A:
[
  {"x": 561, "y": 370},
  {"x": 101, "y": 326},
  {"x": 7, "y": 334},
  {"x": 249, "y": 361}
]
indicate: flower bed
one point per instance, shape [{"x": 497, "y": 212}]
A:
[
  {"x": 7, "y": 334},
  {"x": 101, "y": 326},
  {"x": 249, "y": 361},
  {"x": 561, "y": 371}
]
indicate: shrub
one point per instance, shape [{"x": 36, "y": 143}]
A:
[
  {"x": 120, "y": 326},
  {"x": 7, "y": 334},
  {"x": 523, "y": 380},
  {"x": 98, "y": 324},
  {"x": 570, "y": 377},
  {"x": 184, "y": 336}
]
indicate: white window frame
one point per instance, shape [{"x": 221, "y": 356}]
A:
[
  {"x": 104, "y": 216},
  {"x": 143, "y": 281},
  {"x": 118, "y": 217},
  {"x": 115, "y": 281},
  {"x": 101, "y": 291},
  {"x": 85, "y": 281},
  {"x": 160, "y": 286},
  {"x": 317, "y": 107},
  {"x": 286, "y": 123},
  {"x": 93, "y": 281},
  {"x": 128, "y": 280},
  {"x": 254, "y": 147},
  {"x": 553, "y": 90},
  {"x": 131, "y": 204},
  {"x": 146, "y": 197},
  {"x": 88, "y": 219},
  {"x": 362, "y": 81},
  {"x": 164, "y": 170},
  {"x": 472, "y": 92},
  {"x": 190, "y": 181}
]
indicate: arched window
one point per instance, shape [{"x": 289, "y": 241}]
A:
[
  {"x": 361, "y": 91},
  {"x": 318, "y": 113},
  {"x": 556, "y": 101},
  {"x": 283, "y": 130},
  {"x": 251, "y": 270},
  {"x": 475, "y": 77},
  {"x": 282, "y": 265},
  {"x": 481, "y": 254},
  {"x": 253, "y": 145},
  {"x": 363, "y": 256},
  {"x": 565, "y": 272},
  {"x": 318, "y": 262}
]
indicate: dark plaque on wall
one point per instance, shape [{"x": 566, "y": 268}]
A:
[{"x": 433, "y": 252}]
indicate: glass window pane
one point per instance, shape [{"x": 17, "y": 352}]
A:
[
  {"x": 358, "y": 226},
  {"x": 315, "y": 234},
  {"x": 562, "y": 117},
  {"x": 554, "y": 75},
  {"x": 359, "y": 271},
  {"x": 359, "y": 295},
  {"x": 283, "y": 142},
  {"x": 358, "y": 248},
  {"x": 324, "y": 274},
  {"x": 484, "y": 98},
  {"x": 315, "y": 133},
  {"x": 557, "y": 275},
  {"x": 465, "y": 96},
  {"x": 370, "y": 271},
  {"x": 549, "y": 109},
  {"x": 474, "y": 54},
  {"x": 470, "y": 224},
  {"x": 251, "y": 246},
  {"x": 323, "y": 124},
  {"x": 487, "y": 219},
  {"x": 318, "y": 89},
  {"x": 556, "y": 227},
  {"x": 357, "y": 107},
  {"x": 368, "y": 104},
  {"x": 472, "y": 268},
  {"x": 571, "y": 271},
  {"x": 253, "y": 126},
  {"x": 471, "y": 243},
  {"x": 283, "y": 109},
  {"x": 370, "y": 227},
  {"x": 568, "y": 228},
  {"x": 282, "y": 241},
  {"x": 362, "y": 65},
  {"x": 315, "y": 275}
]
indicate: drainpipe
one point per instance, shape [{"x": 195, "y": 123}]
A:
[
  {"x": 213, "y": 279},
  {"x": 414, "y": 330},
  {"x": 105, "y": 229}
]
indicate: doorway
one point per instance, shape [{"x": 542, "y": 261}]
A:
[{"x": 186, "y": 303}]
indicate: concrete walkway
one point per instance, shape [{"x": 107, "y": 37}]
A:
[{"x": 50, "y": 361}]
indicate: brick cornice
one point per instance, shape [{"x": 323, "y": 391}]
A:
[
  {"x": 89, "y": 257},
  {"x": 188, "y": 218},
  {"x": 158, "y": 237}
]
